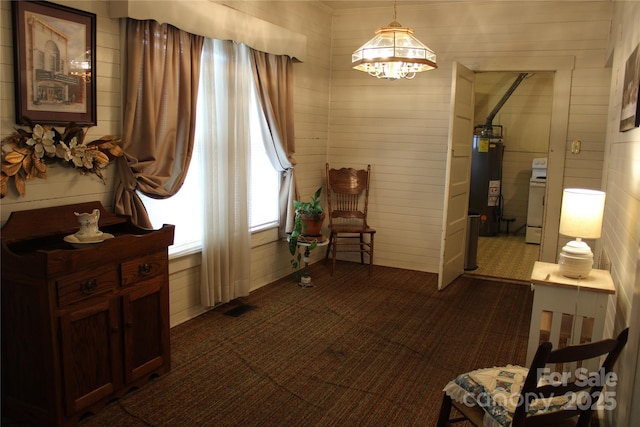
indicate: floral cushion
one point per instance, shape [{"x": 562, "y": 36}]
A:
[{"x": 497, "y": 392}]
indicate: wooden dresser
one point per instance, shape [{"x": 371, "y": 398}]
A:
[{"x": 80, "y": 326}]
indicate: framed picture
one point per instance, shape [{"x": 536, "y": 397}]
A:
[
  {"x": 630, "y": 114},
  {"x": 55, "y": 63}
]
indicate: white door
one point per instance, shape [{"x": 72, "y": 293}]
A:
[{"x": 456, "y": 206}]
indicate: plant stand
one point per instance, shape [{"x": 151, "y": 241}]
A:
[{"x": 307, "y": 242}]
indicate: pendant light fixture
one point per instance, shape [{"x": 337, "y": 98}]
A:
[{"x": 394, "y": 53}]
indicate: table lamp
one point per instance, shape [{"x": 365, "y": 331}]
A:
[{"x": 580, "y": 217}]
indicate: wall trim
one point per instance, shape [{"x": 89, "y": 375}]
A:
[{"x": 216, "y": 21}]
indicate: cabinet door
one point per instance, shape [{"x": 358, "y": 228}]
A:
[
  {"x": 91, "y": 353},
  {"x": 145, "y": 308}
]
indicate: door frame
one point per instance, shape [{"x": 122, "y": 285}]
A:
[{"x": 562, "y": 66}]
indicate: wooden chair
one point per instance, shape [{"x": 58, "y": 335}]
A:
[
  {"x": 564, "y": 364},
  {"x": 348, "y": 203}
]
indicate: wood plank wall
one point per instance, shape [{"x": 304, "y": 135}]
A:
[
  {"x": 621, "y": 230},
  {"x": 400, "y": 127},
  {"x": 63, "y": 185},
  {"x": 349, "y": 118}
]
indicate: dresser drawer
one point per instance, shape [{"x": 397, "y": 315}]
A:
[
  {"x": 85, "y": 284},
  {"x": 143, "y": 268}
]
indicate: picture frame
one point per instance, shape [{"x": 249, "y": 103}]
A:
[
  {"x": 630, "y": 110},
  {"x": 55, "y": 64}
]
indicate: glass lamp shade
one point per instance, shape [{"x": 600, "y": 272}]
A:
[
  {"x": 393, "y": 53},
  {"x": 581, "y": 217}
]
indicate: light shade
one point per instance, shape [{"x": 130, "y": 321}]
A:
[
  {"x": 581, "y": 214},
  {"x": 581, "y": 217},
  {"x": 393, "y": 53}
]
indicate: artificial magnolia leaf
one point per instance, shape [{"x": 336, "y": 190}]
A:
[
  {"x": 13, "y": 157},
  {"x": 34, "y": 168},
  {"x": 72, "y": 131},
  {"x": 23, "y": 133},
  {"x": 4, "y": 181},
  {"x": 116, "y": 151},
  {"x": 40, "y": 166},
  {"x": 100, "y": 157},
  {"x": 105, "y": 138},
  {"x": 21, "y": 186},
  {"x": 11, "y": 169},
  {"x": 22, "y": 150},
  {"x": 27, "y": 165}
]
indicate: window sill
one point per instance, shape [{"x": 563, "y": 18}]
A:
[{"x": 184, "y": 250}]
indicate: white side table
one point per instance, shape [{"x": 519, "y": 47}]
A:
[
  {"x": 309, "y": 242},
  {"x": 567, "y": 311}
]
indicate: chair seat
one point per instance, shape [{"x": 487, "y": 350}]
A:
[
  {"x": 495, "y": 392},
  {"x": 349, "y": 228},
  {"x": 548, "y": 393}
]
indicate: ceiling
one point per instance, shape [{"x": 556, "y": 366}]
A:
[
  {"x": 354, "y": 4},
  {"x": 351, "y": 4}
]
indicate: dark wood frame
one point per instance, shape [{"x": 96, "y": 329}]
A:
[
  {"x": 60, "y": 88},
  {"x": 631, "y": 92}
]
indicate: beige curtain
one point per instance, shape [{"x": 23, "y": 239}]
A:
[
  {"x": 163, "y": 67},
  {"x": 273, "y": 76}
]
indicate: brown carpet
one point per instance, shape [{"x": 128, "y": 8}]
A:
[{"x": 352, "y": 350}]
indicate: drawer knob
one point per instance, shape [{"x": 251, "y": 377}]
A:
[
  {"x": 145, "y": 268},
  {"x": 89, "y": 286}
]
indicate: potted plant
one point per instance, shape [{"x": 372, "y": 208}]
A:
[{"x": 308, "y": 220}]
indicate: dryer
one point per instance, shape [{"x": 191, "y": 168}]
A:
[{"x": 537, "y": 190}]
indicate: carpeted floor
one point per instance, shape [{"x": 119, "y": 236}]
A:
[{"x": 352, "y": 350}]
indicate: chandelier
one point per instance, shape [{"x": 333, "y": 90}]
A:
[{"x": 393, "y": 53}]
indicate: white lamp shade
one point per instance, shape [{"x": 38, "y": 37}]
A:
[{"x": 582, "y": 212}]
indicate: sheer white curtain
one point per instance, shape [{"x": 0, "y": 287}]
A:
[{"x": 223, "y": 128}]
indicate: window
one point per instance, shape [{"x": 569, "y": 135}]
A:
[
  {"x": 184, "y": 210},
  {"x": 264, "y": 180}
]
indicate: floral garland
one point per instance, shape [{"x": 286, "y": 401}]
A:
[{"x": 25, "y": 154}]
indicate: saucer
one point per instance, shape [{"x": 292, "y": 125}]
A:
[{"x": 77, "y": 243}]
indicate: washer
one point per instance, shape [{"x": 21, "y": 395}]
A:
[{"x": 537, "y": 189}]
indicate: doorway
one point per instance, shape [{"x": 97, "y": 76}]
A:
[
  {"x": 562, "y": 68},
  {"x": 524, "y": 120}
]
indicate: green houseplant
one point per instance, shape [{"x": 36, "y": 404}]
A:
[{"x": 307, "y": 222}]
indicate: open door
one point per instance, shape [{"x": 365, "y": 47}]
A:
[{"x": 456, "y": 204}]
